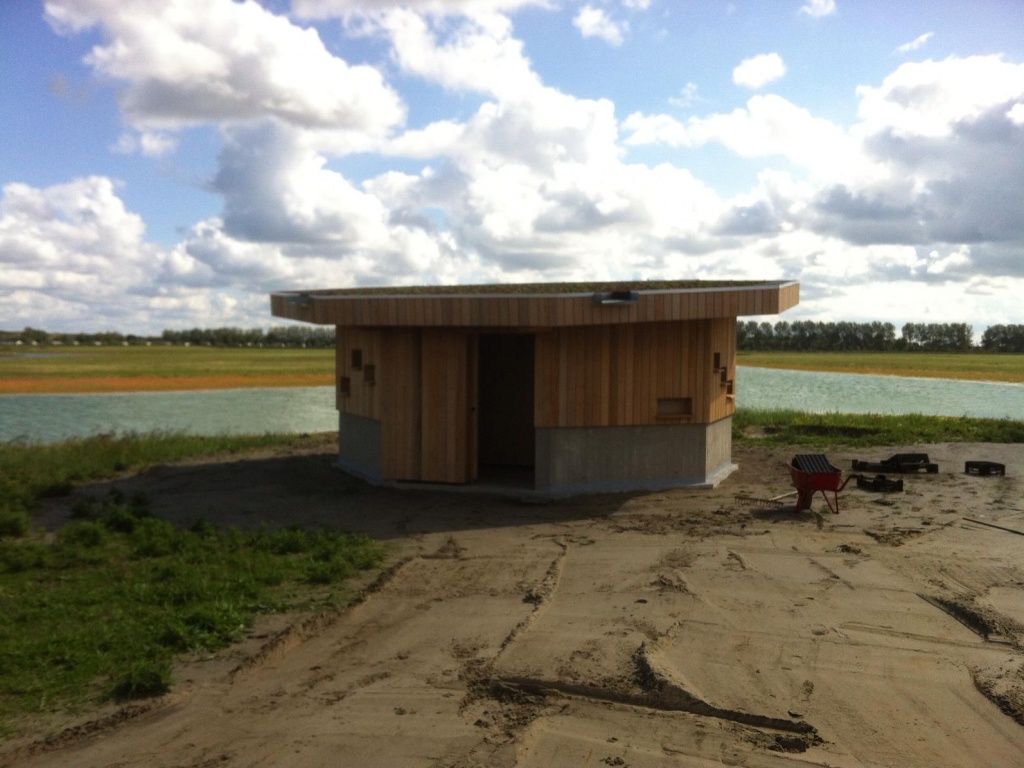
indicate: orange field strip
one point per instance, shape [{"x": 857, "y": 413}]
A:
[{"x": 98, "y": 384}]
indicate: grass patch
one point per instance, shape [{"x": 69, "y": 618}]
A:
[
  {"x": 976, "y": 366},
  {"x": 99, "y": 610},
  {"x": 759, "y": 427}
]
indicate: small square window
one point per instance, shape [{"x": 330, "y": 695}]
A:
[
  {"x": 357, "y": 359},
  {"x": 718, "y": 360},
  {"x": 344, "y": 386},
  {"x": 369, "y": 374}
]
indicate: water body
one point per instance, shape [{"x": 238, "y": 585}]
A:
[
  {"x": 862, "y": 393},
  {"x": 51, "y": 418}
]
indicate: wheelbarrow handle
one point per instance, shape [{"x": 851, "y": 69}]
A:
[{"x": 848, "y": 479}]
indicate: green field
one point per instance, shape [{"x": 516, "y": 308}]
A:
[
  {"x": 17, "y": 362},
  {"x": 974, "y": 366},
  {"x": 69, "y": 369},
  {"x": 138, "y": 368}
]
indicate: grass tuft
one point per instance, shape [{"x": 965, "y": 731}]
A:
[
  {"x": 14, "y": 523},
  {"x": 767, "y": 427},
  {"x": 142, "y": 681}
]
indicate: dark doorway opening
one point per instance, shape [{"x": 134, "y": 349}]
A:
[{"x": 507, "y": 443}]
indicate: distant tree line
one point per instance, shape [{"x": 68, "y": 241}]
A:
[
  {"x": 1003, "y": 338},
  {"x": 810, "y": 336},
  {"x": 751, "y": 336},
  {"x": 285, "y": 336}
]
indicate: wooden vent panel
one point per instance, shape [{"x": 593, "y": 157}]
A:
[{"x": 675, "y": 408}]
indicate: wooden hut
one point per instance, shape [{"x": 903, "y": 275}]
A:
[{"x": 574, "y": 387}]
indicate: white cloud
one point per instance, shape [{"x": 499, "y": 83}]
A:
[
  {"x": 918, "y": 42},
  {"x": 656, "y": 129},
  {"x": 73, "y": 228},
  {"x": 923, "y": 191},
  {"x": 958, "y": 260},
  {"x": 323, "y": 9},
  {"x": 929, "y": 98},
  {"x": 953, "y": 158},
  {"x": 533, "y": 185},
  {"x": 976, "y": 301},
  {"x": 758, "y": 71},
  {"x": 148, "y": 143},
  {"x": 818, "y": 8},
  {"x": 594, "y": 22},
  {"x": 917, "y": 203},
  {"x": 276, "y": 189},
  {"x": 687, "y": 97},
  {"x": 527, "y": 183},
  {"x": 72, "y": 257},
  {"x": 195, "y": 61},
  {"x": 769, "y": 125},
  {"x": 480, "y": 55},
  {"x": 69, "y": 249},
  {"x": 434, "y": 140}
]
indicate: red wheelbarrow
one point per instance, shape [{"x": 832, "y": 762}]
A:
[{"x": 813, "y": 472}]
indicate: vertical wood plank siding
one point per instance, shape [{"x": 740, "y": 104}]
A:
[
  {"x": 424, "y": 386},
  {"x": 614, "y": 376},
  {"x": 444, "y": 432},
  {"x": 363, "y": 398},
  {"x": 400, "y": 373}
]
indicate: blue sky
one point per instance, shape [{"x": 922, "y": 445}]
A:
[{"x": 167, "y": 165}]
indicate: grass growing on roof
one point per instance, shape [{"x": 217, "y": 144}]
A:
[{"x": 512, "y": 289}]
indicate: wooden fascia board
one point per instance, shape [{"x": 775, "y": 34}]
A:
[{"x": 529, "y": 310}]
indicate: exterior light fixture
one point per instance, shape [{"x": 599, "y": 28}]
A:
[{"x": 610, "y": 298}]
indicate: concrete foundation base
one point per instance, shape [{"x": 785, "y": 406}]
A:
[
  {"x": 596, "y": 459},
  {"x": 573, "y": 460},
  {"x": 359, "y": 447}
]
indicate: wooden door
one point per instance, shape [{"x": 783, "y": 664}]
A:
[{"x": 448, "y": 406}]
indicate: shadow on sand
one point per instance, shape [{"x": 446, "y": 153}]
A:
[{"x": 309, "y": 490}]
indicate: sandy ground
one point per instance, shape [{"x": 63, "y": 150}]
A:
[{"x": 679, "y": 628}]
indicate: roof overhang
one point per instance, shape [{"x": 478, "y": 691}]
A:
[{"x": 544, "y": 305}]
